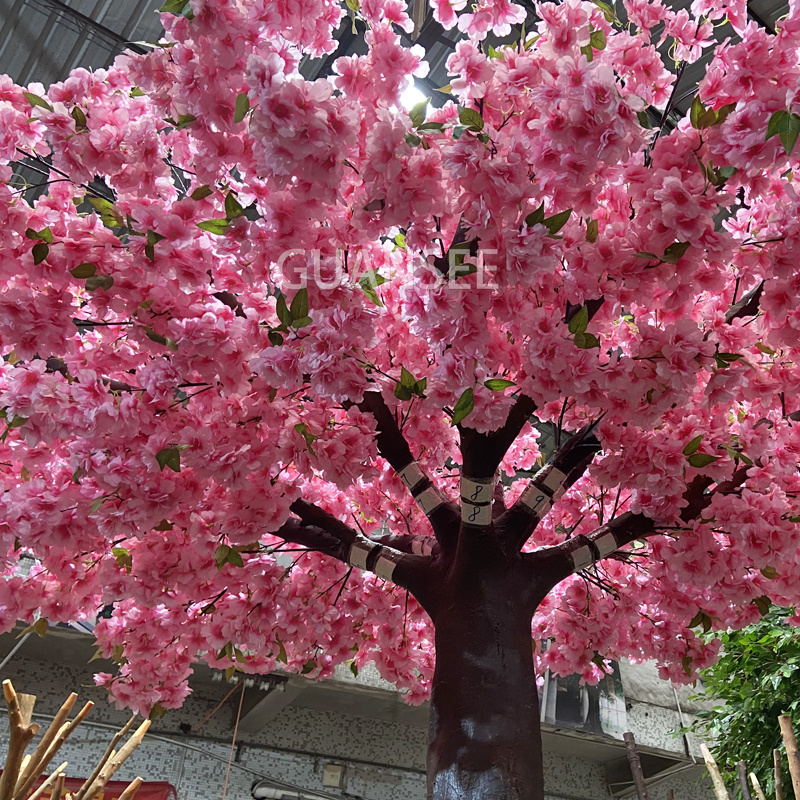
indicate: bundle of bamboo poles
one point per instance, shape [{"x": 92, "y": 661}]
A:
[
  {"x": 21, "y": 772},
  {"x": 792, "y": 756},
  {"x": 720, "y": 790}
]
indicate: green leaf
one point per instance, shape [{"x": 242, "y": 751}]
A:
[
  {"x": 281, "y": 652},
  {"x": 686, "y": 663},
  {"x": 471, "y": 118},
  {"x": 580, "y": 321},
  {"x": 169, "y": 457},
  {"x": 154, "y": 238},
  {"x": 726, "y": 359},
  {"x": 608, "y": 11},
  {"x": 586, "y": 341},
  {"x": 536, "y": 217},
  {"x": 215, "y": 226},
  {"x": 79, "y": 117},
  {"x": 201, "y": 192},
  {"x": 644, "y": 119},
  {"x": 309, "y": 437},
  {"x": 136, "y": 92},
  {"x": 372, "y": 278},
  {"x": 701, "y": 460},
  {"x": 770, "y": 573},
  {"x": 446, "y": 89},
  {"x": 464, "y": 406},
  {"x": 498, "y": 384},
  {"x": 308, "y": 667},
  {"x": 103, "y": 206},
  {"x": 587, "y": 51},
  {"x": 406, "y": 378},
  {"x": 417, "y": 113},
  {"x": 173, "y": 7},
  {"x": 159, "y": 339},
  {"x": 353, "y": 5},
  {"x": 430, "y": 127},
  {"x": 592, "y": 230},
  {"x": 675, "y": 251},
  {"x": 233, "y": 208},
  {"x": 412, "y": 140},
  {"x": 96, "y": 503},
  {"x": 693, "y": 446},
  {"x": 597, "y": 40},
  {"x": 555, "y": 223},
  {"x": 40, "y": 252},
  {"x": 282, "y": 310},
  {"x": 787, "y": 127},
  {"x": 35, "y": 101},
  {"x": 302, "y": 322},
  {"x": 696, "y": 111},
  {"x": 96, "y": 282},
  {"x": 723, "y": 112},
  {"x": 403, "y": 392},
  {"x": 44, "y": 235},
  {"x": 763, "y": 603},
  {"x": 83, "y": 271},
  {"x": 645, "y": 254},
  {"x": 299, "y": 306},
  {"x": 241, "y": 108}
]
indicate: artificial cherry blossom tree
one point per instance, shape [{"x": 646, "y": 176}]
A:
[{"x": 278, "y": 355}]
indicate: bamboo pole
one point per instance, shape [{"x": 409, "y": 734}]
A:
[
  {"x": 133, "y": 787},
  {"x": 757, "y": 787},
  {"x": 636, "y": 766},
  {"x": 20, "y": 710},
  {"x": 741, "y": 770},
  {"x": 51, "y": 779},
  {"x": 58, "y": 789},
  {"x": 713, "y": 770},
  {"x": 116, "y": 760},
  {"x": 789, "y": 741},
  {"x": 776, "y": 760},
  {"x": 110, "y": 750},
  {"x": 36, "y": 763}
]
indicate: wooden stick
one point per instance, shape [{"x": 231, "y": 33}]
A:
[
  {"x": 20, "y": 709},
  {"x": 133, "y": 787},
  {"x": 62, "y": 735},
  {"x": 117, "y": 760},
  {"x": 787, "y": 733},
  {"x": 713, "y": 770},
  {"x": 636, "y": 766},
  {"x": 670, "y": 794},
  {"x": 776, "y": 760},
  {"x": 36, "y": 765},
  {"x": 110, "y": 750},
  {"x": 51, "y": 779},
  {"x": 59, "y": 787},
  {"x": 741, "y": 769},
  {"x": 757, "y": 787}
]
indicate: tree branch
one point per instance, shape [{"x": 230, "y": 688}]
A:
[
  {"x": 393, "y": 446},
  {"x": 320, "y": 531},
  {"x": 567, "y": 466},
  {"x": 584, "y": 550},
  {"x": 481, "y": 453}
]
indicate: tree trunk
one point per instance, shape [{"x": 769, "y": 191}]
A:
[{"x": 485, "y": 738}]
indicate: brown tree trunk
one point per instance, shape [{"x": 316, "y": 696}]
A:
[{"x": 485, "y": 738}]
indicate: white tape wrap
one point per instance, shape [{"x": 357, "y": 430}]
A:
[
  {"x": 411, "y": 475},
  {"x": 384, "y": 568},
  {"x": 476, "y": 515},
  {"x": 554, "y": 480},
  {"x": 358, "y": 554},
  {"x": 421, "y": 548},
  {"x": 536, "y": 500},
  {"x": 582, "y": 558},
  {"x": 429, "y": 500},
  {"x": 605, "y": 544},
  {"x": 476, "y": 492}
]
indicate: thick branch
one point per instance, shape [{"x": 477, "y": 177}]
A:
[
  {"x": 393, "y": 446},
  {"x": 567, "y": 466},
  {"x": 584, "y": 550},
  {"x": 320, "y": 531},
  {"x": 481, "y": 453}
]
